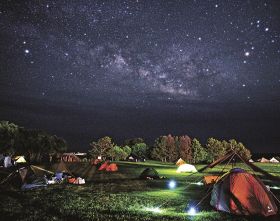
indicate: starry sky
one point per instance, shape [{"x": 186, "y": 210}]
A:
[{"x": 143, "y": 68}]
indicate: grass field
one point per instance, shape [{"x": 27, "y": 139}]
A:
[{"x": 120, "y": 196}]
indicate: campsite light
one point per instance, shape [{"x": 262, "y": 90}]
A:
[
  {"x": 192, "y": 211},
  {"x": 172, "y": 184},
  {"x": 154, "y": 210},
  {"x": 199, "y": 183}
]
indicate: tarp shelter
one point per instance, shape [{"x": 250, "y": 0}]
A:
[
  {"x": 20, "y": 159},
  {"x": 149, "y": 173},
  {"x": 264, "y": 160},
  {"x": 112, "y": 167},
  {"x": 104, "y": 166},
  {"x": 186, "y": 168},
  {"x": 180, "y": 162},
  {"x": 70, "y": 157},
  {"x": 241, "y": 193},
  {"x": 273, "y": 160}
]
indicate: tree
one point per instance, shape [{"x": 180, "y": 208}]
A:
[
  {"x": 139, "y": 150},
  {"x": 239, "y": 148},
  {"x": 215, "y": 149},
  {"x": 8, "y": 136},
  {"x": 185, "y": 150},
  {"x": 199, "y": 152},
  {"x": 159, "y": 151},
  {"x": 171, "y": 148},
  {"x": 101, "y": 147},
  {"x": 132, "y": 141},
  {"x": 118, "y": 153},
  {"x": 127, "y": 150}
]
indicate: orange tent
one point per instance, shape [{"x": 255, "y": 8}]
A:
[
  {"x": 112, "y": 167},
  {"x": 210, "y": 179},
  {"x": 180, "y": 162},
  {"x": 95, "y": 162},
  {"x": 242, "y": 193},
  {"x": 104, "y": 166}
]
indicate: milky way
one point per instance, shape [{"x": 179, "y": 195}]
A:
[{"x": 84, "y": 69}]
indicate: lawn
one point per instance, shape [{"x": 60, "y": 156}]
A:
[{"x": 120, "y": 196}]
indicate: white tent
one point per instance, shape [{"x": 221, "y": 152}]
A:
[
  {"x": 273, "y": 160},
  {"x": 263, "y": 160},
  {"x": 186, "y": 168},
  {"x": 251, "y": 161}
]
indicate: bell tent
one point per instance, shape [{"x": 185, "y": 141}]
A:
[
  {"x": 186, "y": 168},
  {"x": 273, "y": 160},
  {"x": 263, "y": 160},
  {"x": 252, "y": 199},
  {"x": 180, "y": 162}
]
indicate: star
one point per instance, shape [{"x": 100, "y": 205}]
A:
[
  {"x": 243, "y": 85},
  {"x": 26, "y": 51},
  {"x": 247, "y": 53},
  {"x": 266, "y": 29}
]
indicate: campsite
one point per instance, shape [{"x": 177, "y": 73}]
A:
[{"x": 123, "y": 196}]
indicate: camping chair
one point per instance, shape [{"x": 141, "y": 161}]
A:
[{"x": 58, "y": 177}]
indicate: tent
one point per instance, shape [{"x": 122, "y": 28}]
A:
[
  {"x": 149, "y": 173},
  {"x": 273, "y": 160},
  {"x": 180, "y": 162},
  {"x": 112, "y": 167},
  {"x": 30, "y": 177},
  {"x": 210, "y": 179},
  {"x": 240, "y": 192},
  {"x": 104, "y": 166},
  {"x": 62, "y": 168},
  {"x": 252, "y": 199},
  {"x": 70, "y": 157},
  {"x": 263, "y": 160},
  {"x": 20, "y": 159},
  {"x": 251, "y": 161},
  {"x": 186, "y": 168}
]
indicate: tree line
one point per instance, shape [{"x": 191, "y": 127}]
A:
[
  {"x": 167, "y": 149},
  {"x": 35, "y": 145}
]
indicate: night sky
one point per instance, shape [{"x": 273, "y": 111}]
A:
[{"x": 86, "y": 69}]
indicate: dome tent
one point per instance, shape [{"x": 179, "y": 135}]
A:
[
  {"x": 186, "y": 168},
  {"x": 240, "y": 192},
  {"x": 252, "y": 199},
  {"x": 149, "y": 173}
]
